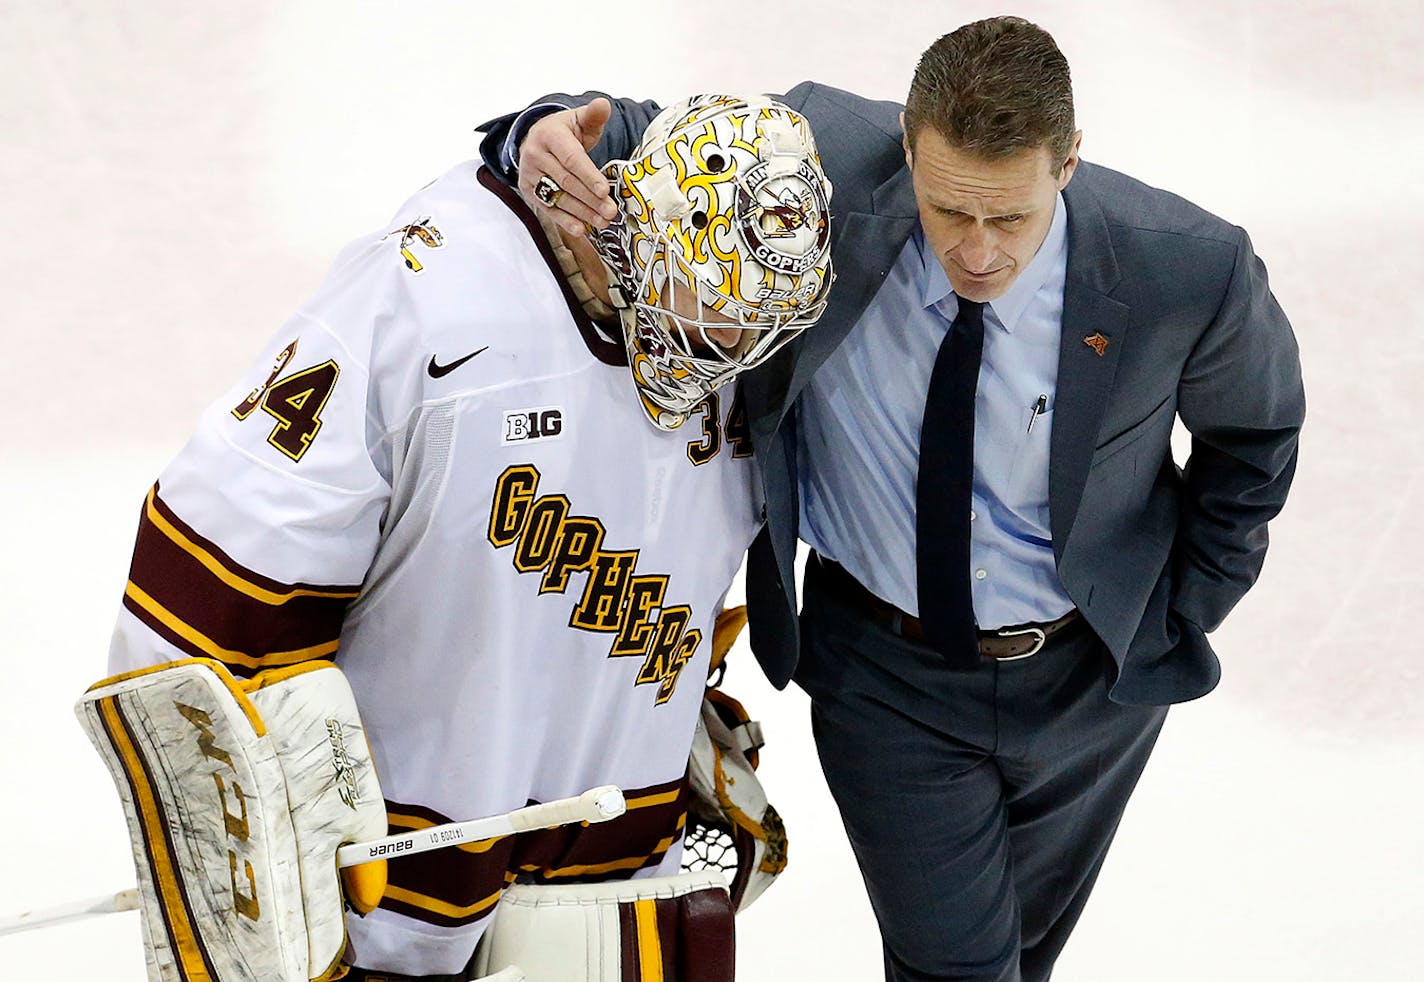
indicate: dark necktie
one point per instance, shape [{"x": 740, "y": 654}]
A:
[{"x": 944, "y": 491}]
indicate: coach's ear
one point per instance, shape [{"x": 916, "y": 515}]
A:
[
  {"x": 905, "y": 142},
  {"x": 1070, "y": 163}
]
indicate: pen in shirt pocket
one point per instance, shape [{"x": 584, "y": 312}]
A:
[{"x": 1038, "y": 407}]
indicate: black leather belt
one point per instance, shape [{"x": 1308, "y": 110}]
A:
[{"x": 1004, "y": 644}]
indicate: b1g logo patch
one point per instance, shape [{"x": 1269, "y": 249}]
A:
[{"x": 528, "y": 425}]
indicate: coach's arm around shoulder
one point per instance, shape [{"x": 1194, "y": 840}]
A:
[{"x": 567, "y": 137}]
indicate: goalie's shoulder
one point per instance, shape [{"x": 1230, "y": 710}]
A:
[
  {"x": 453, "y": 269},
  {"x": 463, "y": 232},
  {"x": 441, "y": 251}
]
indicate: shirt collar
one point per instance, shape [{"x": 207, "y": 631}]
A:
[{"x": 1008, "y": 309}]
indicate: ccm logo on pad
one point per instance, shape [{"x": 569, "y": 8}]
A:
[{"x": 526, "y": 425}]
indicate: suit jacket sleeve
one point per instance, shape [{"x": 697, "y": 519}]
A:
[
  {"x": 625, "y": 128},
  {"x": 1242, "y": 400}
]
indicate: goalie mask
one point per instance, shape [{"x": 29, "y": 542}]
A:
[{"x": 724, "y": 226}]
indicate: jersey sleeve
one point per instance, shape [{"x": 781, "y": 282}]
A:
[{"x": 258, "y": 535}]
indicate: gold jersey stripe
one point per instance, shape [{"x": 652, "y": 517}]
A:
[
  {"x": 650, "y": 948},
  {"x": 441, "y": 907},
  {"x": 227, "y": 576},
  {"x": 414, "y": 823},
  {"x": 210, "y": 647},
  {"x": 632, "y": 862},
  {"x": 187, "y": 946},
  {"x": 666, "y": 798},
  {"x": 274, "y": 675}
]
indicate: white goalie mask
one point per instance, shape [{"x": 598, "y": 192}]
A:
[{"x": 724, "y": 223}]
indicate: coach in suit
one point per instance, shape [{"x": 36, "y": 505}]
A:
[{"x": 989, "y": 651}]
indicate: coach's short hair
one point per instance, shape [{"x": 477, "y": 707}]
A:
[{"x": 993, "y": 88}]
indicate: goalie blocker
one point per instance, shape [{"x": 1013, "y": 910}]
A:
[
  {"x": 731, "y": 826},
  {"x": 237, "y": 795}
]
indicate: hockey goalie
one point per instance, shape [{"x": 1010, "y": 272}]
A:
[{"x": 496, "y": 479}]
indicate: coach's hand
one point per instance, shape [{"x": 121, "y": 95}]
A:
[{"x": 557, "y": 147}]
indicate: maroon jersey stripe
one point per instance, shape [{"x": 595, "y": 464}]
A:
[
  {"x": 457, "y": 886},
  {"x": 189, "y": 591},
  {"x": 251, "y": 576}
]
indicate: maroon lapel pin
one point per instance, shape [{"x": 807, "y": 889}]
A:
[{"x": 1097, "y": 342}]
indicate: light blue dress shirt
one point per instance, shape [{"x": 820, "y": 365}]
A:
[{"x": 859, "y": 430}]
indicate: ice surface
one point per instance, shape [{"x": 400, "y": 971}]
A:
[{"x": 175, "y": 177}]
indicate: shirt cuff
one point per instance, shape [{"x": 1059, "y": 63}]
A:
[{"x": 509, "y": 153}]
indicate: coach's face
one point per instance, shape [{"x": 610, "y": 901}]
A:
[{"x": 983, "y": 218}]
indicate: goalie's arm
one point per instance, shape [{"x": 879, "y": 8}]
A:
[{"x": 259, "y": 533}]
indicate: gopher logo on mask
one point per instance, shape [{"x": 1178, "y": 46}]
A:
[{"x": 784, "y": 218}]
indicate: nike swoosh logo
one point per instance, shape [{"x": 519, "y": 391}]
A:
[{"x": 440, "y": 371}]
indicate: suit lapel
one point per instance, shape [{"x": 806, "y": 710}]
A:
[
  {"x": 1094, "y": 331},
  {"x": 866, "y": 255}
]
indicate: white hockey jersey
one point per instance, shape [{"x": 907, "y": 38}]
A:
[{"x": 439, "y": 475}]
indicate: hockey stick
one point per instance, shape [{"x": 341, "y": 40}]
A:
[{"x": 593, "y": 806}]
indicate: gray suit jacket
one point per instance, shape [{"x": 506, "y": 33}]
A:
[{"x": 1155, "y": 556}]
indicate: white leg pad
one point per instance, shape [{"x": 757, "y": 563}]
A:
[{"x": 660, "y": 929}]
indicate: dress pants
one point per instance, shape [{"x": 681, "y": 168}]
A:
[{"x": 980, "y": 803}]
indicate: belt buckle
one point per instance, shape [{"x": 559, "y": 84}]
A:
[{"x": 1037, "y": 645}]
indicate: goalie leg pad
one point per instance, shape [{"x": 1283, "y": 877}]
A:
[
  {"x": 236, "y": 885},
  {"x": 668, "y": 929},
  {"x": 512, "y": 974}
]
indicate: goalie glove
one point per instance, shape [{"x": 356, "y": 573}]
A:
[
  {"x": 237, "y": 795},
  {"x": 730, "y": 824}
]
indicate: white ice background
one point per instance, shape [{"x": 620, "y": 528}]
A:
[{"x": 175, "y": 177}]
